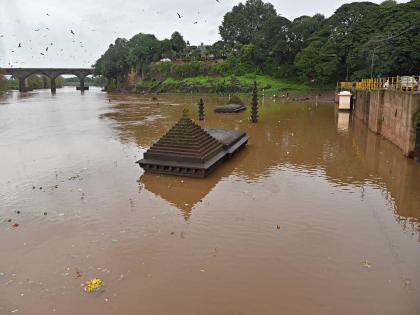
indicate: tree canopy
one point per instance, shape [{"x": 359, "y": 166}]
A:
[
  {"x": 359, "y": 40},
  {"x": 177, "y": 42},
  {"x": 241, "y": 24}
]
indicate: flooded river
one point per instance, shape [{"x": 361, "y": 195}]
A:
[{"x": 317, "y": 215}]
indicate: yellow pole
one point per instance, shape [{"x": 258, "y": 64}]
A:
[{"x": 412, "y": 83}]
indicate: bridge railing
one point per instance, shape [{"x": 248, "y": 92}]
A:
[{"x": 398, "y": 83}]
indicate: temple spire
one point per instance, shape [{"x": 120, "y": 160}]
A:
[
  {"x": 201, "y": 109},
  {"x": 254, "y": 108}
]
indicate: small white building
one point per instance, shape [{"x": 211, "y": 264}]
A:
[{"x": 344, "y": 101}]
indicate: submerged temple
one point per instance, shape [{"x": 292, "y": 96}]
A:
[
  {"x": 234, "y": 105},
  {"x": 189, "y": 150}
]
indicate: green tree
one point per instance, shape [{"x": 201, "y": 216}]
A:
[
  {"x": 243, "y": 61},
  {"x": 389, "y": 3},
  {"x": 3, "y": 82},
  {"x": 114, "y": 64},
  {"x": 301, "y": 30},
  {"x": 219, "y": 49},
  {"x": 241, "y": 24},
  {"x": 393, "y": 48},
  {"x": 166, "y": 49},
  {"x": 177, "y": 42},
  {"x": 272, "y": 44},
  {"x": 318, "y": 62},
  {"x": 348, "y": 28},
  {"x": 34, "y": 82},
  {"x": 142, "y": 50}
]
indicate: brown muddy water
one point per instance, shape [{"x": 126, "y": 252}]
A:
[{"x": 317, "y": 215}]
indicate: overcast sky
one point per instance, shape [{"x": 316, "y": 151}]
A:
[{"x": 38, "y": 24}]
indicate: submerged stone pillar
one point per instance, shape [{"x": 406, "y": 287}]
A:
[
  {"x": 254, "y": 108},
  {"x": 53, "y": 85}
]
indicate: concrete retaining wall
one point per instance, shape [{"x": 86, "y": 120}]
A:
[{"x": 391, "y": 114}]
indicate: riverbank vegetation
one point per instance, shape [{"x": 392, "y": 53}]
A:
[
  {"x": 89, "y": 81},
  {"x": 359, "y": 40},
  {"x": 3, "y": 83}
]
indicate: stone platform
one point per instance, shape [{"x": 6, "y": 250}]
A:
[
  {"x": 229, "y": 108},
  {"x": 189, "y": 150}
]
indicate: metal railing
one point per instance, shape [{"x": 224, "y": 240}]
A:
[
  {"x": 398, "y": 83},
  {"x": 347, "y": 85}
]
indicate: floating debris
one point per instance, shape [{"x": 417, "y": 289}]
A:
[
  {"x": 93, "y": 285},
  {"x": 78, "y": 274},
  {"x": 75, "y": 177},
  {"x": 366, "y": 264}
]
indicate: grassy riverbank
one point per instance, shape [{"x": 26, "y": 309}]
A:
[{"x": 227, "y": 84}]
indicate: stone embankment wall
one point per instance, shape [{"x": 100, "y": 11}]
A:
[{"x": 393, "y": 114}]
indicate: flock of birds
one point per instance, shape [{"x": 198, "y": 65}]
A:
[
  {"x": 44, "y": 52},
  {"x": 71, "y": 32}
]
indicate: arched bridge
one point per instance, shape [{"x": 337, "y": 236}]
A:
[{"x": 22, "y": 73}]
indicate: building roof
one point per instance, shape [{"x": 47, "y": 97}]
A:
[
  {"x": 189, "y": 150},
  {"x": 186, "y": 142}
]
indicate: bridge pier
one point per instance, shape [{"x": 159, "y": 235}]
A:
[
  {"x": 53, "y": 85},
  {"x": 22, "y": 84},
  {"x": 82, "y": 85}
]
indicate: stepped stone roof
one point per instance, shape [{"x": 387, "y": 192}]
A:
[
  {"x": 186, "y": 141},
  {"x": 188, "y": 150}
]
